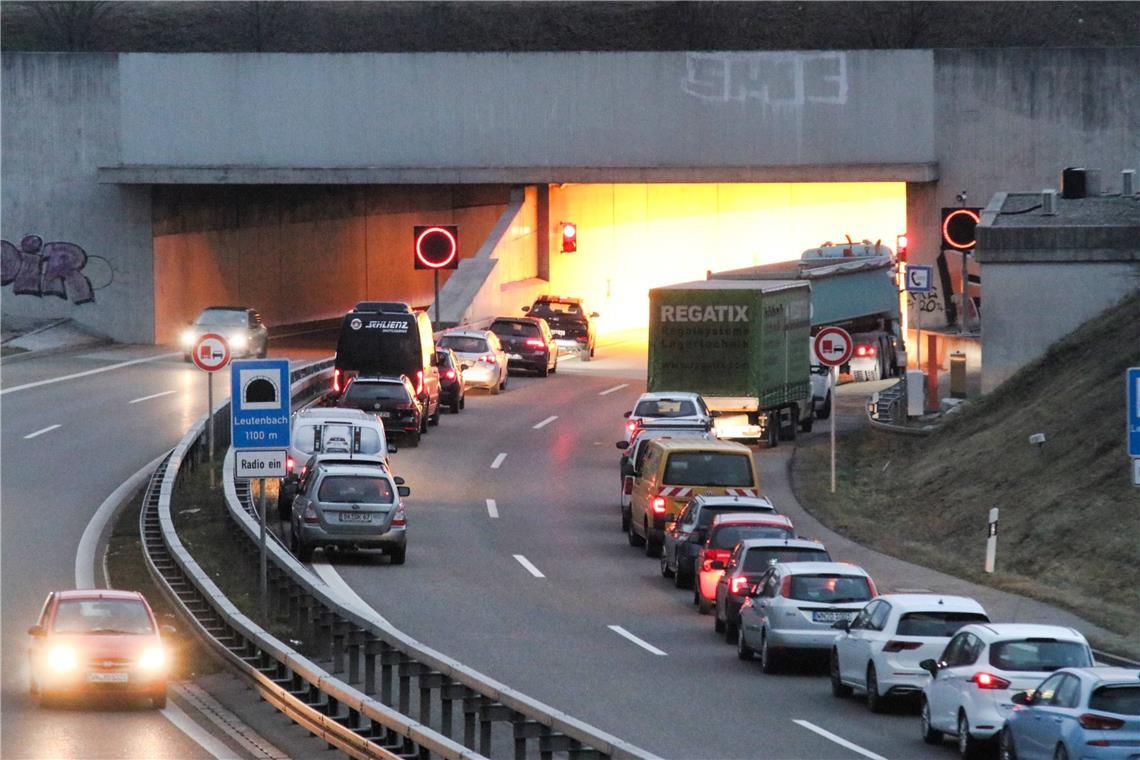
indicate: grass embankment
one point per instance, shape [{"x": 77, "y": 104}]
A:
[{"x": 1069, "y": 523}]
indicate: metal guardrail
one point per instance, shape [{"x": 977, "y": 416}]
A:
[{"x": 373, "y": 657}]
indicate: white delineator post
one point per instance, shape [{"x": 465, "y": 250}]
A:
[{"x": 991, "y": 540}]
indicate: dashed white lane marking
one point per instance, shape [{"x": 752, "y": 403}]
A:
[
  {"x": 108, "y": 368},
  {"x": 546, "y": 422},
  {"x": 616, "y": 388},
  {"x": 153, "y": 395},
  {"x": 640, "y": 642},
  {"x": 838, "y": 740},
  {"x": 498, "y": 461},
  {"x": 530, "y": 568},
  {"x": 492, "y": 510},
  {"x": 38, "y": 433}
]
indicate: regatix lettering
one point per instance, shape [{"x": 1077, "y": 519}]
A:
[{"x": 718, "y": 313}]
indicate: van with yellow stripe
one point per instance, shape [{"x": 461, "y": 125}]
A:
[{"x": 675, "y": 470}]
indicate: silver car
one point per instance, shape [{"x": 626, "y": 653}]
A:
[
  {"x": 481, "y": 355},
  {"x": 795, "y": 605},
  {"x": 349, "y": 507},
  {"x": 242, "y": 328}
]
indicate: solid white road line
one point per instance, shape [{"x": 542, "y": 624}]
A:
[
  {"x": 546, "y": 422},
  {"x": 153, "y": 395},
  {"x": 108, "y": 368},
  {"x": 616, "y": 388},
  {"x": 330, "y": 576},
  {"x": 492, "y": 510},
  {"x": 205, "y": 739},
  {"x": 498, "y": 461},
  {"x": 38, "y": 433},
  {"x": 838, "y": 740},
  {"x": 530, "y": 568},
  {"x": 640, "y": 642},
  {"x": 227, "y": 722}
]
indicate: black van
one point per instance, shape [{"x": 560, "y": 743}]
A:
[{"x": 388, "y": 338}]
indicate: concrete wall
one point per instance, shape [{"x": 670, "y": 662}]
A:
[{"x": 60, "y": 122}]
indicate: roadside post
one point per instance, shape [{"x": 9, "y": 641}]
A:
[
  {"x": 991, "y": 540},
  {"x": 260, "y": 422},
  {"x": 1132, "y": 404},
  {"x": 211, "y": 353},
  {"x": 833, "y": 347}
]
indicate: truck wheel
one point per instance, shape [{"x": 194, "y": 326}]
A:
[
  {"x": 807, "y": 422},
  {"x": 773, "y": 433},
  {"x": 787, "y": 431}
]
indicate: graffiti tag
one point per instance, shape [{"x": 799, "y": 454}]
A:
[
  {"x": 774, "y": 79},
  {"x": 36, "y": 268},
  {"x": 925, "y": 302}
]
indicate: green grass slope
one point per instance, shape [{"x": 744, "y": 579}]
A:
[{"x": 1070, "y": 517}]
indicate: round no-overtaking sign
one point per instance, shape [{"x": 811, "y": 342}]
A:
[
  {"x": 833, "y": 346},
  {"x": 211, "y": 352}
]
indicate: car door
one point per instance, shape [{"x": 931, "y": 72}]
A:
[
  {"x": 871, "y": 639},
  {"x": 847, "y": 646},
  {"x": 1030, "y": 730},
  {"x": 1056, "y": 709},
  {"x": 675, "y": 536},
  {"x": 754, "y": 609},
  {"x": 644, "y": 485},
  {"x": 942, "y": 693}
]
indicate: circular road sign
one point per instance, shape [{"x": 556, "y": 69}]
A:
[
  {"x": 959, "y": 229},
  {"x": 211, "y": 352},
  {"x": 833, "y": 346},
  {"x": 436, "y": 247}
]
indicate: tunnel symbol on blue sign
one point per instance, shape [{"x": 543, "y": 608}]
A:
[{"x": 260, "y": 389}]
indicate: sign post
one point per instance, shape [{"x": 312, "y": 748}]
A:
[
  {"x": 211, "y": 353},
  {"x": 1132, "y": 401},
  {"x": 833, "y": 347},
  {"x": 436, "y": 248},
  {"x": 260, "y": 422},
  {"x": 991, "y": 540},
  {"x": 918, "y": 280}
]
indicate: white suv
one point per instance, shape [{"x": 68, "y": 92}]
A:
[
  {"x": 880, "y": 649},
  {"x": 667, "y": 405},
  {"x": 983, "y": 666}
]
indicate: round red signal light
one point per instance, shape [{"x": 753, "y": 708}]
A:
[
  {"x": 959, "y": 228},
  {"x": 436, "y": 247}
]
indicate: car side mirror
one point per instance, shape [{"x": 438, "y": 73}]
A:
[
  {"x": 626, "y": 415},
  {"x": 168, "y": 630},
  {"x": 714, "y": 413},
  {"x": 399, "y": 480},
  {"x": 594, "y": 314},
  {"x": 841, "y": 625},
  {"x": 37, "y": 631},
  {"x": 622, "y": 445},
  {"x": 716, "y": 564},
  {"x": 404, "y": 490},
  {"x": 1022, "y": 698},
  {"x": 930, "y": 666}
]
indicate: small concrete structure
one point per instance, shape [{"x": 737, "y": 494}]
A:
[{"x": 1045, "y": 274}]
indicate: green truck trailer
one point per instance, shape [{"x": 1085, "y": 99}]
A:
[{"x": 743, "y": 345}]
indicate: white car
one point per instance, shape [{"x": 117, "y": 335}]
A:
[
  {"x": 822, "y": 385},
  {"x": 983, "y": 666},
  {"x": 481, "y": 355},
  {"x": 667, "y": 405},
  {"x": 880, "y": 649}
]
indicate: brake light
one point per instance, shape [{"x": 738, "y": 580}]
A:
[
  {"x": 989, "y": 681},
  {"x": 310, "y": 514},
  {"x": 450, "y": 374},
  {"x": 627, "y": 485},
  {"x": 901, "y": 646},
  {"x": 786, "y": 587},
  {"x": 871, "y": 586},
  {"x": 419, "y": 381},
  {"x": 536, "y": 343},
  {"x": 738, "y": 584},
  {"x": 1099, "y": 722},
  {"x": 488, "y": 358},
  {"x": 658, "y": 505},
  {"x": 712, "y": 555},
  {"x": 336, "y": 380},
  {"x": 289, "y": 464},
  {"x": 401, "y": 517},
  {"x": 865, "y": 350}
]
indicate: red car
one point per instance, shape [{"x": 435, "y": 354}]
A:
[{"x": 97, "y": 641}]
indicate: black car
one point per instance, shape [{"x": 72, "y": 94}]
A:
[
  {"x": 393, "y": 400},
  {"x": 528, "y": 343},
  {"x": 451, "y": 390},
  {"x": 569, "y": 322}
]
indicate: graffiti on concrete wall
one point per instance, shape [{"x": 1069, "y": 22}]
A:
[
  {"x": 925, "y": 302},
  {"x": 775, "y": 79},
  {"x": 36, "y": 268}
]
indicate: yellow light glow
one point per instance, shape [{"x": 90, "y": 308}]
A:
[
  {"x": 153, "y": 659},
  {"x": 62, "y": 659}
]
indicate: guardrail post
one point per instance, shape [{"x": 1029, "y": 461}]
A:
[
  {"x": 355, "y": 645},
  {"x": 448, "y": 693},
  {"x": 324, "y": 620},
  {"x": 338, "y": 635},
  {"x": 473, "y": 704},
  {"x": 404, "y": 673},
  {"x": 389, "y": 656},
  {"x": 372, "y": 646},
  {"x": 427, "y": 682}
]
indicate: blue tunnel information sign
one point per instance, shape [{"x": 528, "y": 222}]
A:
[{"x": 259, "y": 394}]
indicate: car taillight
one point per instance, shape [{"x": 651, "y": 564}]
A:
[
  {"x": 310, "y": 514},
  {"x": 450, "y": 374},
  {"x": 658, "y": 505},
  {"x": 865, "y": 350},
  {"x": 627, "y": 485},
  {"x": 738, "y": 585},
  {"x": 488, "y": 358},
  {"x": 989, "y": 681},
  {"x": 289, "y": 464},
  {"x": 901, "y": 646},
  {"x": 871, "y": 586},
  {"x": 713, "y": 555},
  {"x": 1099, "y": 722},
  {"x": 535, "y": 343},
  {"x": 786, "y": 587},
  {"x": 400, "y": 518},
  {"x": 336, "y": 380},
  {"x": 419, "y": 381}
]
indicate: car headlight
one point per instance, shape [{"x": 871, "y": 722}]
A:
[
  {"x": 62, "y": 659},
  {"x": 153, "y": 659},
  {"x": 188, "y": 337},
  {"x": 239, "y": 341}
]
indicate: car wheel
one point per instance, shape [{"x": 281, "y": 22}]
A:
[
  {"x": 730, "y": 630},
  {"x": 399, "y": 555},
  {"x": 434, "y": 419},
  {"x": 625, "y": 519},
  {"x": 634, "y": 539},
  {"x": 743, "y": 651},
  {"x": 414, "y": 439},
  {"x": 423, "y": 421},
  {"x": 555, "y": 367},
  {"x": 665, "y": 571},
  {"x": 773, "y": 437},
  {"x": 158, "y": 701},
  {"x": 456, "y": 405},
  {"x": 544, "y": 370},
  {"x": 875, "y": 701},
  {"x": 584, "y": 355},
  {"x": 682, "y": 578},
  {"x": 1006, "y": 750},
  {"x": 463, "y": 401},
  {"x": 592, "y": 347},
  {"x": 503, "y": 382},
  {"x": 968, "y": 746},
  {"x": 303, "y": 551},
  {"x": 704, "y": 606},
  {"x": 1060, "y": 753},
  {"x": 284, "y": 503},
  {"x": 767, "y": 656},
  {"x": 825, "y": 412},
  {"x": 496, "y": 387},
  {"x": 930, "y": 735},
  {"x": 808, "y": 422},
  {"x": 838, "y": 688},
  {"x": 718, "y": 624},
  {"x": 696, "y": 594},
  {"x": 652, "y": 548}
]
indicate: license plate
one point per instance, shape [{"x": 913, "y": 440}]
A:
[
  {"x": 359, "y": 517},
  {"x": 830, "y": 616},
  {"x": 385, "y": 414},
  {"x": 558, "y": 333},
  {"x": 108, "y": 677},
  {"x": 514, "y": 356}
]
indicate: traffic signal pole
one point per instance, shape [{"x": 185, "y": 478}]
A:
[{"x": 436, "y": 273}]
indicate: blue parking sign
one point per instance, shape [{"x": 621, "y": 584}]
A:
[
  {"x": 260, "y": 404},
  {"x": 1133, "y": 381}
]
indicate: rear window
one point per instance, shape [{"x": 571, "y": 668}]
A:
[
  {"x": 464, "y": 344},
  {"x": 943, "y": 624},
  {"x": 1039, "y": 654},
  {"x": 731, "y": 535},
  {"x": 365, "y": 393},
  {"x": 759, "y": 559},
  {"x": 705, "y": 518},
  {"x": 707, "y": 468},
  {"x": 355, "y": 489},
  {"x": 665, "y": 408},
  {"x": 1122, "y": 700},
  {"x": 555, "y": 309},
  {"x": 337, "y": 439},
  {"x": 831, "y": 589},
  {"x": 516, "y": 330}
]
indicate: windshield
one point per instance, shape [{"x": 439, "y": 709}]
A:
[
  {"x": 758, "y": 559},
  {"x": 707, "y": 468},
  {"x": 665, "y": 408},
  {"x": 1039, "y": 654},
  {"x": 555, "y": 309},
  {"x": 355, "y": 489},
  {"x": 516, "y": 330},
  {"x": 830, "y": 589},
  {"x": 222, "y": 318},
  {"x": 366, "y": 393},
  {"x": 102, "y": 616},
  {"x": 464, "y": 344},
  {"x": 941, "y": 624},
  {"x": 1122, "y": 699}
]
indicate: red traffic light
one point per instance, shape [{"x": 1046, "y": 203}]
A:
[
  {"x": 958, "y": 228},
  {"x": 436, "y": 247},
  {"x": 569, "y": 237},
  {"x": 901, "y": 247}
]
